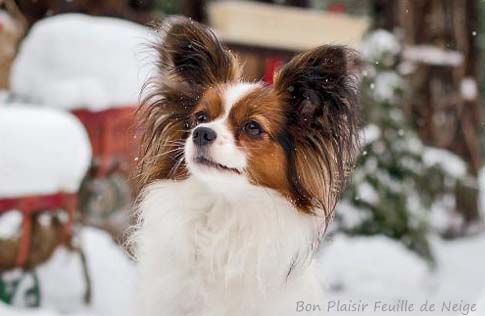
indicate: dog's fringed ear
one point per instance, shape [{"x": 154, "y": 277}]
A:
[
  {"x": 192, "y": 52},
  {"x": 320, "y": 82},
  {"x": 190, "y": 59},
  {"x": 320, "y": 90}
]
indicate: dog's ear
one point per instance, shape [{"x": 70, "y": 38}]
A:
[
  {"x": 320, "y": 84},
  {"x": 190, "y": 59},
  {"x": 320, "y": 93},
  {"x": 192, "y": 52}
]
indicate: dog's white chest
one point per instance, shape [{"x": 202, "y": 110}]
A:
[{"x": 227, "y": 257}]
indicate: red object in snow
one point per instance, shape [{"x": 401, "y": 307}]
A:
[
  {"x": 112, "y": 138},
  {"x": 31, "y": 205},
  {"x": 336, "y": 8},
  {"x": 273, "y": 64}
]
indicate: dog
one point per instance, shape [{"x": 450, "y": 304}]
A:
[{"x": 239, "y": 179}]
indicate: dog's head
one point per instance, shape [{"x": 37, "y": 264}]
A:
[{"x": 298, "y": 137}]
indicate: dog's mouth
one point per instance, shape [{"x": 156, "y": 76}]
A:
[{"x": 212, "y": 164}]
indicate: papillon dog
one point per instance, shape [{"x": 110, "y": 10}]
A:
[{"x": 239, "y": 179}]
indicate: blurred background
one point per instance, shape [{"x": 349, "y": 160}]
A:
[{"x": 410, "y": 225}]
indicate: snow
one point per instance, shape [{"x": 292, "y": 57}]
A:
[
  {"x": 378, "y": 44},
  {"x": 350, "y": 216},
  {"x": 78, "y": 61},
  {"x": 45, "y": 219},
  {"x": 368, "y": 265},
  {"x": 113, "y": 275},
  {"x": 469, "y": 89},
  {"x": 3, "y": 96},
  {"x": 481, "y": 185},
  {"x": 444, "y": 218},
  {"x": 7, "y": 311},
  {"x": 433, "y": 55},
  {"x": 386, "y": 84},
  {"x": 365, "y": 269},
  {"x": 373, "y": 269},
  {"x": 62, "y": 283},
  {"x": 367, "y": 193},
  {"x": 371, "y": 133},
  {"x": 44, "y": 151},
  {"x": 481, "y": 305},
  {"x": 461, "y": 263},
  {"x": 10, "y": 223},
  {"x": 449, "y": 162}
]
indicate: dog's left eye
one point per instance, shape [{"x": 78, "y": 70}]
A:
[
  {"x": 201, "y": 117},
  {"x": 253, "y": 129}
]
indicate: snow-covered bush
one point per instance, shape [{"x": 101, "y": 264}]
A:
[{"x": 398, "y": 179}]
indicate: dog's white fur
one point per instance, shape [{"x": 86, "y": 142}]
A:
[{"x": 216, "y": 245}]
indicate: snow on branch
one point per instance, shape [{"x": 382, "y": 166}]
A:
[{"x": 433, "y": 55}]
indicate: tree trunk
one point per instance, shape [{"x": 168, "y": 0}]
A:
[{"x": 444, "y": 102}]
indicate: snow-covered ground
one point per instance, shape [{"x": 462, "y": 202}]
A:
[
  {"x": 376, "y": 270},
  {"x": 363, "y": 270},
  {"x": 62, "y": 283}
]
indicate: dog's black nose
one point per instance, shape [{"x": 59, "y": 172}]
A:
[{"x": 203, "y": 136}]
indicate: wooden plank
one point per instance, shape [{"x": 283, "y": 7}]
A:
[{"x": 281, "y": 27}]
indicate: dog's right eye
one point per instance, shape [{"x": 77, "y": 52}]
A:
[{"x": 201, "y": 117}]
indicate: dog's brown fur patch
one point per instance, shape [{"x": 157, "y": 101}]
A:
[
  {"x": 211, "y": 103},
  {"x": 266, "y": 159}
]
